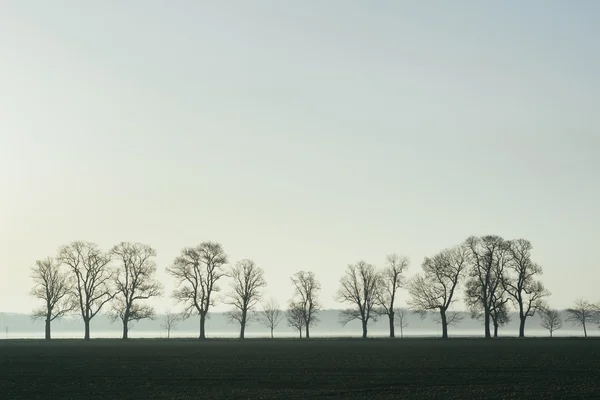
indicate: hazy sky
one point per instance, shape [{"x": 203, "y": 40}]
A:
[{"x": 304, "y": 135}]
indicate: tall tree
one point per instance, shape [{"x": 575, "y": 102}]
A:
[
  {"x": 434, "y": 289},
  {"x": 486, "y": 257},
  {"x": 392, "y": 280},
  {"x": 197, "y": 271},
  {"x": 271, "y": 315},
  {"x": 582, "y": 314},
  {"x": 550, "y": 320},
  {"x": 526, "y": 292},
  {"x": 91, "y": 278},
  {"x": 295, "y": 316},
  {"x": 52, "y": 286},
  {"x": 359, "y": 287},
  {"x": 134, "y": 281},
  {"x": 306, "y": 296},
  {"x": 247, "y": 285}
]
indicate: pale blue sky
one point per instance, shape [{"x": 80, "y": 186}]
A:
[{"x": 303, "y": 135}]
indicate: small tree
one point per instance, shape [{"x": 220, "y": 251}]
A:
[
  {"x": 91, "y": 278},
  {"x": 306, "y": 296},
  {"x": 583, "y": 313},
  {"x": 271, "y": 315},
  {"x": 401, "y": 320},
  {"x": 134, "y": 281},
  {"x": 170, "y": 322},
  {"x": 52, "y": 286},
  {"x": 392, "y": 279},
  {"x": 248, "y": 283},
  {"x": 295, "y": 317},
  {"x": 359, "y": 287},
  {"x": 551, "y": 320}
]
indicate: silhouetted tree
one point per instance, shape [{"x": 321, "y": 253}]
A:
[
  {"x": 391, "y": 280},
  {"x": 134, "y": 281},
  {"x": 401, "y": 320},
  {"x": 526, "y": 293},
  {"x": 247, "y": 285},
  {"x": 170, "y": 322},
  {"x": 91, "y": 278},
  {"x": 582, "y": 314},
  {"x": 52, "y": 286},
  {"x": 306, "y": 296},
  {"x": 295, "y": 316},
  {"x": 499, "y": 312},
  {"x": 271, "y": 315},
  {"x": 487, "y": 257},
  {"x": 197, "y": 271},
  {"x": 550, "y": 320},
  {"x": 359, "y": 287},
  {"x": 434, "y": 289}
]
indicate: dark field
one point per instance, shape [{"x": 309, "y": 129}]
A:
[{"x": 290, "y": 369}]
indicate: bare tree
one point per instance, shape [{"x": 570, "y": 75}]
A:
[
  {"x": 295, "y": 317},
  {"x": 52, "y": 286},
  {"x": 583, "y": 313},
  {"x": 359, "y": 287},
  {"x": 134, "y": 281},
  {"x": 271, "y": 315},
  {"x": 91, "y": 278},
  {"x": 487, "y": 258},
  {"x": 391, "y": 280},
  {"x": 248, "y": 283},
  {"x": 434, "y": 289},
  {"x": 401, "y": 320},
  {"x": 306, "y": 295},
  {"x": 499, "y": 312},
  {"x": 550, "y": 320},
  {"x": 197, "y": 271},
  {"x": 526, "y": 293},
  {"x": 170, "y": 322}
]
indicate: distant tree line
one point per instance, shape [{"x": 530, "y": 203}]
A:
[{"x": 493, "y": 274}]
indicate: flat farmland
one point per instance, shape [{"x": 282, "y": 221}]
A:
[{"x": 295, "y": 369}]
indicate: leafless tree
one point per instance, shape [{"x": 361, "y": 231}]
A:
[
  {"x": 306, "y": 295},
  {"x": 434, "y": 288},
  {"x": 295, "y": 316},
  {"x": 170, "y": 322},
  {"x": 247, "y": 285},
  {"x": 526, "y": 293},
  {"x": 392, "y": 280},
  {"x": 550, "y": 320},
  {"x": 487, "y": 257},
  {"x": 271, "y": 315},
  {"x": 359, "y": 287},
  {"x": 499, "y": 313},
  {"x": 401, "y": 320},
  {"x": 91, "y": 278},
  {"x": 52, "y": 286},
  {"x": 197, "y": 271},
  {"x": 134, "y": 281},
  {"x": 582, "y": 314}
]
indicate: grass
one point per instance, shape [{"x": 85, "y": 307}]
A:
[{"x": 293, "y": 369}]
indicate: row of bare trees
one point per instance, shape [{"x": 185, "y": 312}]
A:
[{"x": 493, "y": 273}]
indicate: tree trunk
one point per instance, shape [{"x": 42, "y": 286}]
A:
[
  {"x": 584, "y": 330},
  {"x": 522, "y": 326},
  {"x": 86, "y": 323},
  {"x": 271, "y": 332},
  {"x": 169, "y": 332},
  {"x": 307, "y": 331},
  {"x": 125, "y": 329},
  {"x": 486, "y": 323},
  {"x": 202, "y": 321},
  {"x": 300, "y": 330},
  {"x": 550, "y": 332},
  {"x": 47, "y": 332},
  {"x": 364, "y": 329},
  {"x": 444, "y": 324},
  {"x": 495, "y": 330},
  {"x": 243, "y": 326},
  {"x": 392, "y": 332}
]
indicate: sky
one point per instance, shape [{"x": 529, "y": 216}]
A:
[{"x": 303, "y": 135}]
